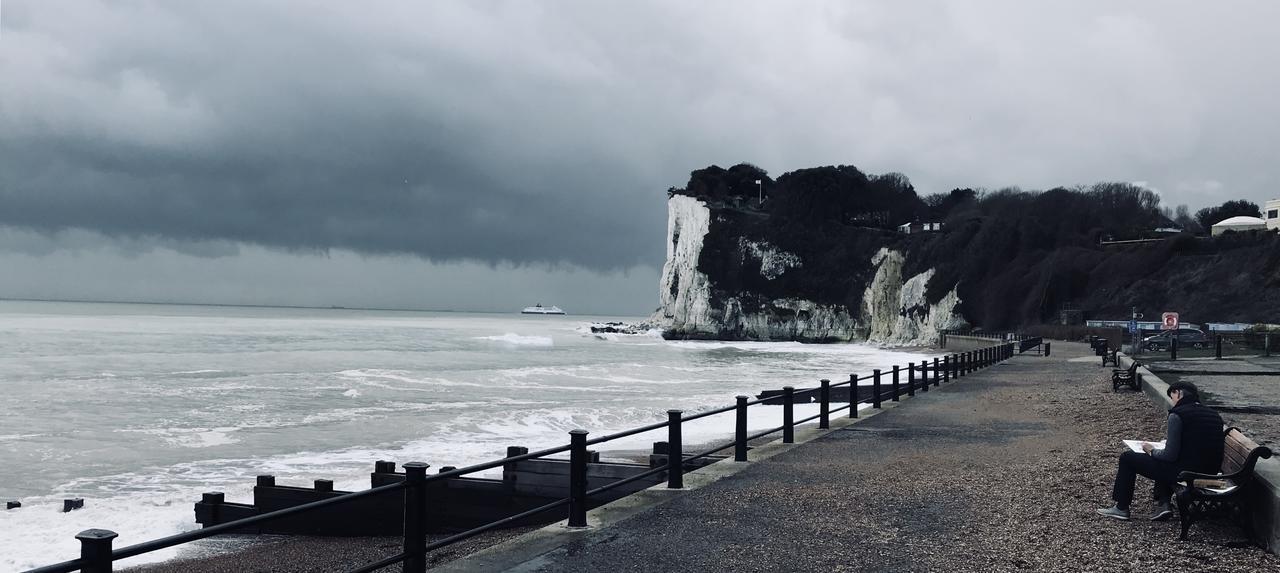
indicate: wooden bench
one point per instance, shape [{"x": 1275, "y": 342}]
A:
[
  {"x": 1223, "y": 494},
  {"x": 1126, "y": 377}
]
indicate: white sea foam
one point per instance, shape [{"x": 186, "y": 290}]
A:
[
  {"x": 376, "y": 377},
  {"x": 514, "y": 339},
  {"x": 193, "y": 437},
  {"x": 352, "y": 393}
]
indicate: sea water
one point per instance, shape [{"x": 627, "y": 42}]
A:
[{"x": 139, "y": 409}]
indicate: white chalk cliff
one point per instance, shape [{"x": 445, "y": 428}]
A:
[
  {"x": 897, "y": 312},
  {"x": 893, "y": 311}
]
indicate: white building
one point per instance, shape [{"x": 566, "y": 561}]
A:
[
  {"x": 1272, "y": 214},
  {"x": 1239, "y": 224},
  {"x": 918, "y": 227}
]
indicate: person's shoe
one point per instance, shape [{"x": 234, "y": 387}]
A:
[
  {"x": 1163, "y": 510},
  {"x": 1114, "y": 512}
]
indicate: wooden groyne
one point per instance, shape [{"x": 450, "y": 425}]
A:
[{"x": 457, "y": 503}]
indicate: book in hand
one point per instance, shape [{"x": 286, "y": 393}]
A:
[{"x": 1136, "y": 445}]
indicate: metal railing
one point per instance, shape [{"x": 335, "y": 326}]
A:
[{"x": 97, "y": 555}]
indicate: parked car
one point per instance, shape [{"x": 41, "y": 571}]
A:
[{"x": 1187, "y": 338}]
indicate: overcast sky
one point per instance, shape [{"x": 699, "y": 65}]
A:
[{"x": 299, "y": 152}]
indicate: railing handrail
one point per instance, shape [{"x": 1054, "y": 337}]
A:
[{"x": 953, "y": 364}]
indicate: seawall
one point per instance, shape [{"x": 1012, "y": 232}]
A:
[{"x": 960, "y": 343}]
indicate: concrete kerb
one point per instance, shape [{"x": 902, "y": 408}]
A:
[
  {"x": 527, "y": 548},
  {"x": 1266, "y": 522}
]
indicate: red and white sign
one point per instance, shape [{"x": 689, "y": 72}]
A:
[{"x": 1169, "y": 320}]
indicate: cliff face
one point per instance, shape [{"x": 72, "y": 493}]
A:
[
  {"x": 815, "y": 256},
  {"x": 893, "y": 308}
]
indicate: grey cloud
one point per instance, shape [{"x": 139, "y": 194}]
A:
[
  {"x": 81, "y": 265},
  {"x": 537, "y": 133}
]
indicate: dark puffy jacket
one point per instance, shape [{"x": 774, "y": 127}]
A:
[{"x": 1201, "y": 437}]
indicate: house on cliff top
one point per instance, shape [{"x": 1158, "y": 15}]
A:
[{"x": 918, "y": 227}]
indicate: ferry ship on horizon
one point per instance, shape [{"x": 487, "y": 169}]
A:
[{"x": 539, "y": 309}]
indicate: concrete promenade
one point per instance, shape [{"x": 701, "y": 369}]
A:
[{"x": 998, "y": 471}]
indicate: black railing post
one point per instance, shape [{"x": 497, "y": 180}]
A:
[
  {"x": 911, "y": 379},
  {"x": 937, "y": 377},
  {"x": 946, "y": 368},
  {"x": 788, "y": 415},
  {"x": 675, "y": 450},
  {"x": 853, "y": 396},
  {"x": 824, "y": 396},
  {"x": 924, "y": 375},
  {"x": 95, "y": 550},
  {"x": 1173, "y": 346},
  {"x": 875, "y": 393},
  {"x": 1217, "y": 347},
  {"x": 415, "y": 517},
  {"x": 897, "y": 391},
  {"x": 578, "y": 478},
  {"x": 740, "y": 431}
]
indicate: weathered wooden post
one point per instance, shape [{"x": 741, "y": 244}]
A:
[
  {"x": 875, "y": 393},
  {"x": 578, "y": 478},
  {"x": 1173, "y": 346},
  {"x": 911, "y": 379},
  {"x": 415, "y": 517},
  {"x": 740, "y": 431},
  {"x": 1217, "y": 347},
  {"x": 924, "y": 375},
  {"x": 824, "y": 396},
  {"x": 937, "y": 377},
  {"x": 675, "y": 450},
  {"x": 897, "y": 391}
]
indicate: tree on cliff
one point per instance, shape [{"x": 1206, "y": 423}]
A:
[
  {"x": 842, "y": 194},
  {"x": 942, "y": 204},
  {"x": 1186, "y": 222},
  {"x": 1210, "y": 216},
  {"x": 718, "y": 185}
]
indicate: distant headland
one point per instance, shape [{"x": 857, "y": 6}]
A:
[{"x": 833, "y": 254}]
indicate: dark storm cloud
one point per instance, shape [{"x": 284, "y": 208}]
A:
[{"x": 543, "y": 132}]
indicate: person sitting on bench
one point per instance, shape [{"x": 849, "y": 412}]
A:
[{"x": 1193, "y": 442}]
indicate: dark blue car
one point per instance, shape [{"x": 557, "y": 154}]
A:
[{"x": 1187, "y": 338}]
